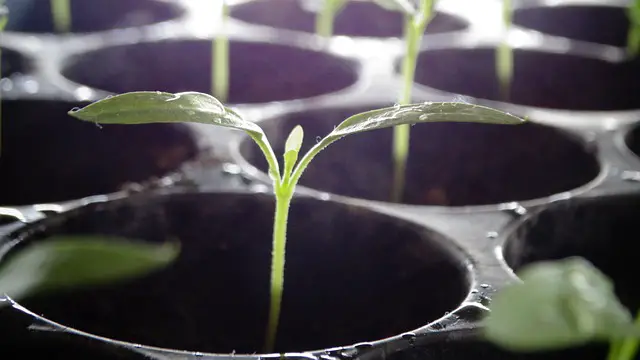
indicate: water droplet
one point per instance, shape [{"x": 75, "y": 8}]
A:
[
  {"x": 75, "y": 109},
  {"x": 363, "y": 346},
  {"x": 474, "y": 291},
  {"x": 484, "y": 286},
  {"x": 98, "y": 125},
  {"x": 198, "y": 354},
  {"x": 396, "y": 106},
  {"x": 423, "y": 117},
  {"x": 231, "y": 169},
  {"x": 410, "y": 337},
  {"x": 318, "y": 138},
  {"x": 492, "y": 234}
]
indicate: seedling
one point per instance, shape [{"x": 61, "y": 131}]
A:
[
  {"x": 220, "y": 57},
  {"x": 415, "y": 24},
  {"x": 561, "y": 304},
  {"x": 633, "y": 38},
  {"x": 61, "y": 14},
  {"x": 63, "y": 262},
  {"x": 504, "y": 52},
  {"x": 160, "y": 107},
  {"x": 326, "y": 16}
]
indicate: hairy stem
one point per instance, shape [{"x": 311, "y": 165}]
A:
[
  {"x": 284, "y": 195},
  {"x": 415, "y": 27},
  {"x": 220, "y": 58},
  {"x": 61, "y": 13}
]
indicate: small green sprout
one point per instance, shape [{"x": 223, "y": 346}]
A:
[
  {"x": 220, "y": 57},
  {"x": 504, "y": 52},
  {"x": 633, "y": 38},
  {"x": 561, "y": 304},
  {"x": 61, "y": 13},
  {"x": 326, "y": 16},
  {"x": 160, "y": 107},
  {"x": 415, "y": 24},
  {"x": 66, "y": 261}
]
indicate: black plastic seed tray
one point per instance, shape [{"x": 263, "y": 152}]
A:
[{"x": 365, "y": 278}]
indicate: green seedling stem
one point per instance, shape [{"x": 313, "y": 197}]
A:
[
  {"x": 504, "y": 52},
  {"x": 633, "y": 37},
  {"x": 414, "y": 28},
  {"x": 153, "y": 107},
  {"x": 61, "y": 13},
  {"x": 220, "y": 58},
  {"x": 326, "y": 16}
]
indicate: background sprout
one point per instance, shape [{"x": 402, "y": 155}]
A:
[
  {"x": 326, "y": 16},
  {"x": 561, "y": 304},
  {"x": 504, "y": 52},
  {"x": 415, "y": 24},
  {"x": 633, "y": 38},
  {"x": 153, "y": 107},
  {"x": 61, "y": 12},
  {"x": 62, "y": 262},
  {"x": 220, "y": 57}
]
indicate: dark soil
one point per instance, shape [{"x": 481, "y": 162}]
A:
[
  {"x": 34, "y": 16},
  {"x": 606, "y": 25},
  {"x": 279, "y": 73},
  {"x": 357, "y": 18},
  {"x": 49, "y": 156},
  {"x": 558, "y": 81}
]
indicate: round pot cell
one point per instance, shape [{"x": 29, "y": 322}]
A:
[
  {"x": 540, "y": 79},
  {"x": 357, "y": 18},
  {"x": 35, "y": 16},
  {"x": 259, "y": 72},
  {"x": 12, "y": 62},
  {"x": 450, "y": 164},
  {"x": 608, "y": 25},
  {"x": 599, "y": 229},
  {"x": 352, "y": 275},
  {"x": 469, "y": 347},
  {"x": 48, "y": 156}
]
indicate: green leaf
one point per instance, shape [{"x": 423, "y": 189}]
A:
[
  {"x": 68, "y": 261},
  {"x": 291, "y": 150},
  {"x": 294, "y": 140},
  {"x": 143, "y": 107},
  {"x": 403, "y": 6},
  {"x": 421, "y": 113},
  {"x": 560, "y": 304}
]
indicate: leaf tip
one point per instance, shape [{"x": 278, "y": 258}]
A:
[{"x": 294, "y": 140}]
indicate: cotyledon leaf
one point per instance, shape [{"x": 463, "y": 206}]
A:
[
  {"x": 421, "y": 113},
  {"x": 559, "y": 304},
  {"x": 143, "y": 107},
  {"x": 69, "y": 261}
]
